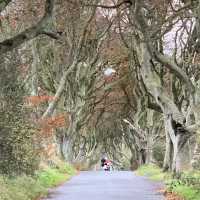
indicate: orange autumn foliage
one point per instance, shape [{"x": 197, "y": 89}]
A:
[
  {"x": 56, "y": 121},
  {"x": 47, "y": 125},
  {"x": 36, "y": 100}
]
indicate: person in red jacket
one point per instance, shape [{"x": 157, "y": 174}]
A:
[{"x": 106, "y": 164}]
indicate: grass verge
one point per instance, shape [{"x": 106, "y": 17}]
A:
[
  {"x": 186, "y": 188},
  {"x": 152, "y": 171},
  {"x": 31, "y": 188},
  {"x": 187, "y": 192}
]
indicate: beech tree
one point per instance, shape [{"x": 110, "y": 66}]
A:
[
  {"x": 17, "y": 156},
  {"x": 150, "y": 23},
  {"x": 166, "y": 78},
  {"x": 105, "y": 76}
]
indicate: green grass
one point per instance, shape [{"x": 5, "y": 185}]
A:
[
  {"x": 65, "y": 168},
  {"x": 186, "y": 191},
  {"x": 20, "y": 188},
  {"x": 152, "y": 171},
  {"x": 51, "y": 177},
  {"x": 30, "y": 188}
]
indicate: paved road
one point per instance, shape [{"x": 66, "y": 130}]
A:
[{"x": 102, "y": 185}]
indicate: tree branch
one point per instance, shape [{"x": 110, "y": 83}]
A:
[
  {"x": 155, "y": 107},
  {"x": 138, "y": 132},
  {"x": 4, "y": 4},
  {"x": 170, "y": 64},
  {"x": 30, "y": 33},
  {"x": 51, "y": 34},
  {"x": 59, "y": 91},
  {"x": 105, "y": 6},
  {"x": 66, "y": 73}
]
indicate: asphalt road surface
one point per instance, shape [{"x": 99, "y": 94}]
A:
[{"x": 102, "y": 185}]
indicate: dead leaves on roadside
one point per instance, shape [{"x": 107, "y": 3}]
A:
[{"x": 169, "y": 195}]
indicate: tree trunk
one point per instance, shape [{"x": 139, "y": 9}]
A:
[
  {"x": 173, "y": 117},
  {"x": 149, "y": 149},
  {"x": 34, "y": 71},
  {"x": 195, "y": 162},
  {"x": 65, "y": 148},
  {"x": 141, "y": 157},
  {"x": 179, "y": 137},
  {"x": 168, "y": 153},
  {"x": 149, "y": 156}
]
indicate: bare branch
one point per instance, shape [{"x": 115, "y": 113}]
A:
[
  {"x": 30, "y": 33},
  {"x": 59, "y": 91},
  {"x": 138, "y": 132},
  {"x": 105, "y": 6},
  {"x": 53, "y": 35},
  {"x": 4, "y": 4},
  {"x": 170, "y": 64},
  {"x": 66, "y": 73}
]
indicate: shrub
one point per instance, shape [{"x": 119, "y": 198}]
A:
[
  {"x": 189, "y": 179},
  {"x": 66, "y": 168},
  {"x": 20, "y": 188},
  {"x": 17, "y": 153},
  {"x": 188, "y": 193},
  {"x": 185, "y": 185},
  {"x": 30, "y": 187},
  {"x": 51, "y": 177}
]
